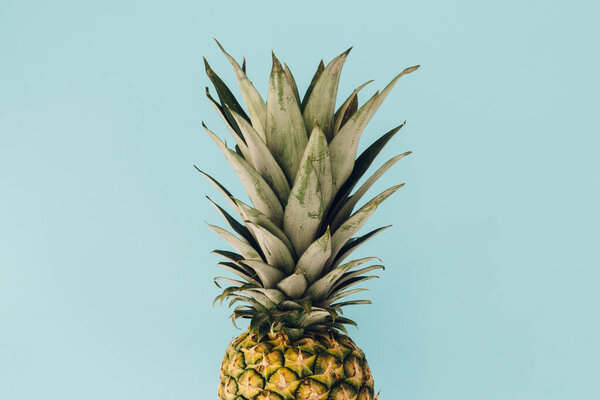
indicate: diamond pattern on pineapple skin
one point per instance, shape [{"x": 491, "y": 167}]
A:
[
  {"x": 268, "y": 364},
  {"x": 366, "y": 393},
  {"x": 300, "y": 362},
  {"x": 353, "y": 371},
  {"x": 310, "y": 389},
  {"x": 304, "y": 369},
  {"x": 235, "y": 365},
  {"x": 250, "y": 383},
  {"x": 254, "y": 354},
  {"x": 283, "y": 382},
  {"x": 328, "y": 369},
  {"x": 228, "y": 389},
  {"x": 343, "y": 391},
  {"x": 267, "y": 395}
]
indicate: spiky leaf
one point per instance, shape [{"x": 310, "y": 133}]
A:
[
  {"x": 320, "y": 106},
  {"x": 286, "y": 135},
  {"x": 262, "y": 196}
]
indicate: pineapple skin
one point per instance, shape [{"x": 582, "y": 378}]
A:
[{"x": 318, "y": 366}]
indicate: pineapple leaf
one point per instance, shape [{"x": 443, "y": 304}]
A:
[
  {"x": 273, "y": 294},
  {"x": 347, "y": 321},
  {"x": 350, "y": 275},
  {"x": 268, "y": 274},
  {"x": 294, "y": 285},
  {"x": 320, "y": 106},
  {"x": 304, "y": 209},
  {"x": 286, "y": 135},
  {"x": 352, "y": 282},
  {"x": 290, "y": 77},
  {"x": 317, "y": 152},
  {"x": 275, "y": 251},
  {"x": 341, "y": 295},
  {"x": 234, "y": 224},
  {"x": 235, "y": 133},
  {"x": 241, "y": 245},
  {"x": 228, "y": 196},
  {"x": 263, "y": 160},
  {"x": 229, "y": 280},
  {"x": 344, "y": 145},
  {"x": 313, "y": 260},
  {"x": 362, "y": 164},
  {"x": 254, "y": 102},
  {"x": 239, "y": 271},
  {"x": 258, "y": 190},
  {"x": 314, "y": 317},
  {"x": 254, "y": 216},
  {"x": 353, "y": 243},
  {"x": 225, "y": 95},
  {"x": 351, "y": 202},
  {"x": 350, "y": 303},
  {"x": 356, "y": 221},
  {"x": 320, "y": 289},
  {"x": 261, "y": 298},
  {"x": 320, "y": 69},
  {"x": 229, "y": 255},
  {"x": 342, "y": 114}
]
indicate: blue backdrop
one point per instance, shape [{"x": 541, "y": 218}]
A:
[{"x": 491, "y": 290}]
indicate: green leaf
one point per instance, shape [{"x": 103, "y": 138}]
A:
[
  {"x": 351, "y": 202},
  {"x": 362, "y": 164},
  {"x": 304, "y": 210},
  {"x": 290, "y": 77},
  {"x": 347, "y": 321},
  {"x": 273, "y": 294},
  {"x": 313, "y": 260},
  {"x": 225, "y": 95},
  {"x": 354, "y": 243},
  {"x": 254, "y": 102},
  {"x": 259, "y": 297},
  {"x": 314, "y": 318},
  {"x": 286, "y": 135},
  {"x": 350, "y": 275},
  {"x": 344, "y": 145},
  {"x": 228, "y": 196},
  {"x": 254, "y": 216},
  {"x": 228, "y": 280},
  {"x": 275, "y": 251},
  {"x": 293, "y": 286},
  {"x": 229, "y": 255},
  {"x": 318, "y": 153},
  {"x": 263, "y": 160},
  {"x": 320, "y": 106},
  {"x": 341, "y": 295},
  {"x": 320, "y": 289},
  {"x": 235, "y": 132},
  {"x": 241, "y": 245},
  {"x": 234, "y": 224},
  {"x": 355, "y": 222},
  {"x": 262, "y": 196},
  {"x": 348, "y": 108},
  {"x": 351, "y": 282},
  {"x": 350, "y": 303},
  {"x": 239, "y": 271},
  {"x": 320, "y": 69},
  {"x": 269, "y": 275}
]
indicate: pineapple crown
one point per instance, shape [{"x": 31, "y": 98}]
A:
[{"x": 297, "y": 162}]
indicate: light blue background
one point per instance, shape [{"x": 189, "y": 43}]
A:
[{"x": 492, "y": 285}]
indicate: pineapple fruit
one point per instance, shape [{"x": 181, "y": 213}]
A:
[{"x": 296, "y": 159}]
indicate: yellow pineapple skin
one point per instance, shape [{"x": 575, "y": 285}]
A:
[{"x": 318, "y": 366}]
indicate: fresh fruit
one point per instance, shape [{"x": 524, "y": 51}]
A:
[{"x": 296, "y": 159}]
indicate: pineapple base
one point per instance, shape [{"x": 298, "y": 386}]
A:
[{"x": 318, "y": 366}]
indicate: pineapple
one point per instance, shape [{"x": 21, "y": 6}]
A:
[{"x": 296, "y": 159}]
